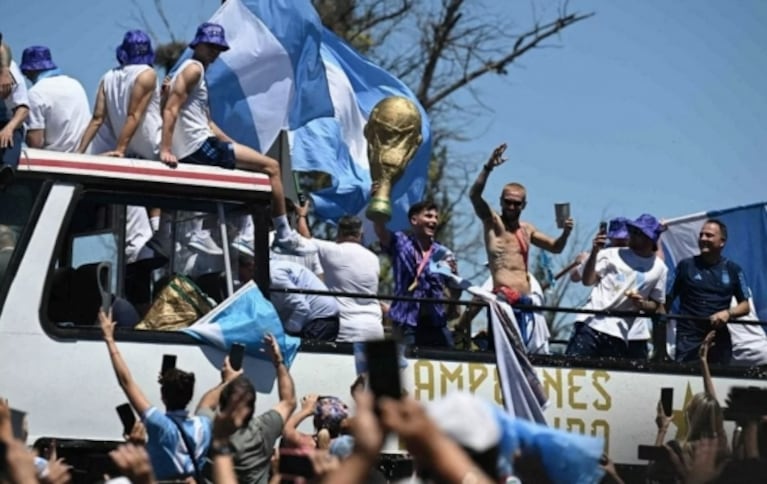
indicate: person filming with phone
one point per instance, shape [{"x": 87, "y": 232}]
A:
[
  {"x": 629, "y": 278},
  {"x": 177, "y": 442}
]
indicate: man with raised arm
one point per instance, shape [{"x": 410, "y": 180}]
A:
[
  {"x": 190, "y": 136},
  {"x": 508, "y": 239},
  {"x": 14, "y": 107},
  {"x": 251, "y": 445}
]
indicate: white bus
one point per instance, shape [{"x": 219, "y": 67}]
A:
[{"x": 65, "y": 213}]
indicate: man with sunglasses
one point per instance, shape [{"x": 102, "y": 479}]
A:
[{"x": 508, "y": 240}]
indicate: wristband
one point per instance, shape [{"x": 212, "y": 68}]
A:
[
  {"x": 278, "y": 363},
  {"x": 221, "y": 449},
  {"x": 487, "y": 167}
]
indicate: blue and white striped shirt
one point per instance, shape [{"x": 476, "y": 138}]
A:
[{"x": 166, "y": 448}]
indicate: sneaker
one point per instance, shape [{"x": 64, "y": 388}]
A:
[
  {"x": 243, "y": 245},
  {"x": 203, "y": 242},
  {"x": 293, "y": 244}
]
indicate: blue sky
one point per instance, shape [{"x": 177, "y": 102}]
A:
[{"x": 650, "y": 106}]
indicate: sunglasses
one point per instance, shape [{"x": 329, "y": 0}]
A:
[{"x": 513, "y": 203}]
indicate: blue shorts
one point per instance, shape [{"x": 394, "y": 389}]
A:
[
  {"x": 213, "y": 152},
  {"x": 10, "y": 156}
]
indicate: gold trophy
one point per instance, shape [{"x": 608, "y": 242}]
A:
[{"x": 393, "y": 133}]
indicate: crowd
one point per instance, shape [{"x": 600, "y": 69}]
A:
[
  {"x": 458, "y": 439},
  {"x": 134, "y": 117}
]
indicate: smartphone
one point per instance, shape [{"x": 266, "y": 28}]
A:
[
  {"x": 236, "y": 354},
  {"x": 602, "y": 227},
  {"x": 127, "y": 417},
  {"x": 104, "y": 271},
  {"x": 168, "y": 362},
  {"x": 652, "y": 452},
  {"x": 294, "y": 464},
  {"x": 19, "y": 424},
  {"x": 383, "y": 368},
  {"x": 667, "y": 400}
]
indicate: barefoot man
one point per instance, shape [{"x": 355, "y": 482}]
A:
[{"x": 508, "y": 239}]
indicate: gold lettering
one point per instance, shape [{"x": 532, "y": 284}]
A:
[
  {"x": 477, "y": 374},
  {"x": 601, "y": 427},
  {"x": 557, "y": 423},
  {"x": 553, "y": 383},
  {"x": 455, "y": 376},
  {"x": 572, "y": 389},
  {"x": 423, "y": 380},
  {"x": 606, "y": 402},
  {"x": 576, "y": 425}
]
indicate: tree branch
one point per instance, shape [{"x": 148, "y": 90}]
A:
[{"x": 525, "y": 42}]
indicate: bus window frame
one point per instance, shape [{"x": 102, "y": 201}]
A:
[
  {"x": 22, "y": 242},
  {"x": 62, "y": 252}
]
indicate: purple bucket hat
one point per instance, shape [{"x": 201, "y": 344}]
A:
[
  {"x": 648, "y": 225},
  {"x": 329, "y": 413},
  {"x": 618, "y": 229},
  {"x": 136, "y": 49},
  {"x": 210, "y": 33},
  {"x": 36, "y": 58}
]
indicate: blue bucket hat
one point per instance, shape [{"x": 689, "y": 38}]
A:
[
  {"x": 210, "y": 33},
  {"x": 36, "y": 58},
  {"x": 648, "y": 225},
  {"x": 135, "y": 49},
  {"x": 618, "y": 229}
]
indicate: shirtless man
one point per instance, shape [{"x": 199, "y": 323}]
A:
[{"x": 508, "y": 239}]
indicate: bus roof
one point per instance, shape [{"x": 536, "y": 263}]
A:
[{"x": 130, "y": 169}]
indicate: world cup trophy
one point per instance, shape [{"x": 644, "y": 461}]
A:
[{"x": 393, "y": 133}]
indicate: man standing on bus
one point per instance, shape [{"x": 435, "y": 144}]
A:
[
  {"x": 629, "y": 278},
  {"x": 417, "y": 323},
  {"x": 14, "y": 107},
  {"x": 190, "y": 136},
  {"x": 508, "y": 239},
  {"x": 705, "y": 285}
]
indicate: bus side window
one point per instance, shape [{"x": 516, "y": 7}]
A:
[{"x": 186, "y": 250}]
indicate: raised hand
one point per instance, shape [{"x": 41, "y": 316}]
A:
[
  {"x": 272, "y": 348},
  {"x": 107, "y": 325},
  {"x": 497, "y": 157}
]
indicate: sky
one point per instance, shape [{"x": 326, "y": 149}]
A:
[{"x": 649, "y": 106}]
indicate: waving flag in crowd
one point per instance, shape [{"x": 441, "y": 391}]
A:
[
  {"x": 337, "y": 145},
  {"x": 272, "y": 78}
]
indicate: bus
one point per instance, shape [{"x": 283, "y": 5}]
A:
[{"x": 64, "y": 214}]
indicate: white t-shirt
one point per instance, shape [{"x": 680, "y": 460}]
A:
[
  {"x": 350, "y": 267},
  {"x": 18, "y": 96},
  {"x": 620, "y": 269},
  {"x": 118, "y": 86},
  {"x": 192, "y": 126},
  {"x": 59, "y": 106},
  {"x": 138, "y": 231}
]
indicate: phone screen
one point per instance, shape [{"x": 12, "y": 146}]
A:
[
  {"x": 236, "y": 354},
  {"x": 667, "y": 400},
  {"x": 602, "y": 227},
  {"x": 383, "y": 368},
  {"x": 127, "y": 417},
  {"x": 168, "y": 362},
  {"x": 652, "y": 452}
]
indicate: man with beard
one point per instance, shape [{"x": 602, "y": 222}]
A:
[
  {"x": 419, "y": 324},
  {"x": 705, "y": 285},
  {"x": 508, "y": 240}
]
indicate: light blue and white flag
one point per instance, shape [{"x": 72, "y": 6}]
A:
[
  {"x": 272, "y": 77},
  {"x": 746, "y": 242},
  {"x": 245, "y": 318},
  {"x": 337, "y": 145}
]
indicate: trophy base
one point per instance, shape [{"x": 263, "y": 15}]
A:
[{"x": 379, "y": 210}]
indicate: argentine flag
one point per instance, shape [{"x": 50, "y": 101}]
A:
[
  {"x": 746, "y": 242},
  {"x": 272, "y": 77},
  {"x": 245, "y": 318},
  {"x": 337, "y": 146}
]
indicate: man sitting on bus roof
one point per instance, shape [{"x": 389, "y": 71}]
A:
[
  {"x": 58, "y": 106},
  {"x": 13, "y": 111},
  {"x": 190, "y": 136},
  {"x": 625, "y": 279},
  {"x": 705, "y": 285}
]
